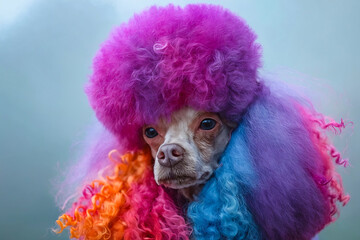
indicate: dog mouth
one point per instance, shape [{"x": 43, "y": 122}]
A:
[{"x": 182, "y": 181}]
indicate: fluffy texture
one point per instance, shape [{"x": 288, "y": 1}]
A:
[
  {"x": 276, "y": 179},
  {"x": 221, "y": 211},
  {"x": 125, "y": 204},
  {"x": 93, "y": 159},
  {"x": 277, "y": 166},
  {"x": 201, "y": 56},
  {"x": 297, "y": 186}
]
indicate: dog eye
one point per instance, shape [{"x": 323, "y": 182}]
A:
[
  {"x": 151, "y": 132},
  {"x": 207, "y": 124}
]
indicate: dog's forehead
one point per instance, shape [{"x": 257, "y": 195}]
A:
[{"x": 185, "y": 116}]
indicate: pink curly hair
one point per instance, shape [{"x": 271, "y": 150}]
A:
[
  {"x": 201, "y": 56},
  {"x": 276, "y": 178}
]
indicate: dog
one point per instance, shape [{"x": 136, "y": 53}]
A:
[
  {"x": 186, "y": 112},
  {"x": 187, "y": 148}
]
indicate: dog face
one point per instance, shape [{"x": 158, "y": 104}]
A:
[{"x": 186, "y": 148}]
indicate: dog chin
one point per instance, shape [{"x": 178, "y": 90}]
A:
[{"x": 180, "y": 182}]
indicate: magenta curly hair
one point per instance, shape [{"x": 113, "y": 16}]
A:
[
  {"x": 277, "y": 177},
  {"x": 193, "y": 57}
]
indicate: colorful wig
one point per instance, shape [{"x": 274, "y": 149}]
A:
[
  {"x": 280, "y": 161},
  {"x": 276, "y": 178},
  {"x": 168, "y": 58}
]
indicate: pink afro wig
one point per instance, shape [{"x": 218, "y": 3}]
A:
[{"x": 200, "y": 56}]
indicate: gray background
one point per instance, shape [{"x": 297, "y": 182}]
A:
[{"x": 46, "y": 49}]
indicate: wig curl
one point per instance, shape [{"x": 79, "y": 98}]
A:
[
  {"x": 276, "y": 178},
  {"x": 127, "y": 204}
]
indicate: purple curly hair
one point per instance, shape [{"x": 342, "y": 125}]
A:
[
  {"x": 276, "y": 178},
  {"x": 201, "y": 56}
]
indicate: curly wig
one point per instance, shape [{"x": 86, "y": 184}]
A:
[
  {"x": 276, "y": 178},
  {"x": 167, "y": 58}
]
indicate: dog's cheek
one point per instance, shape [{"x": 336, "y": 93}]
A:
[
  {"x": 204, "y": 142},
  {"x": 222, "y": 140},
  {"x": 155, "y": 144},
  {"x": 156, "y": 171}
]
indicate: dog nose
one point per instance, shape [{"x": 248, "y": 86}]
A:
[{"x": 170, "y": 154}]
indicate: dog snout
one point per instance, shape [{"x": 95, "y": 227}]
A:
[{"x": 170, "y": 154}]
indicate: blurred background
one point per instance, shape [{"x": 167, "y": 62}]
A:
[{"x": 46, "y": 50}]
